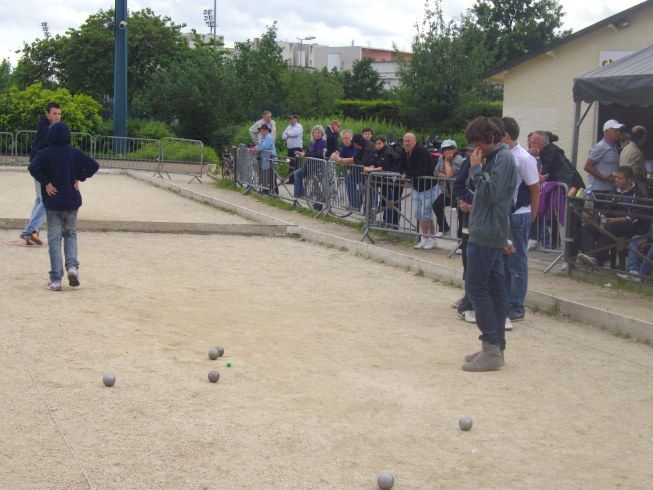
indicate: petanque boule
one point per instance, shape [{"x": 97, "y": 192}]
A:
[
  {"x": 465, "y": 423},
  {"x": 220, "y": 350},
  {"x": 214, "y": 354},
  {"x": 109, "y": 380},
  {"x": 385, "y": 481},
  {"x": 214, "y": 376}
]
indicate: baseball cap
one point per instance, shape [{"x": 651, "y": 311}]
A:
[
  {"x": 448, "y": 144},
  {"x": 612, "y": 124}
]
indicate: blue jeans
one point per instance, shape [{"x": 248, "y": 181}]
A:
[
  {"x": 485, "y": 286},
  {"x": 38, "y": 212},
  {"x": 637, "y": 264},
  {"x": 517, "y": 263},
  {"x": 298, "y": 182},
  {"x": 353, "y": 181},
  {"x": 62, "y": 224}
]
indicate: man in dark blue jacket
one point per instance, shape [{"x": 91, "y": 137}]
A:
[
  {"x": 52, "y": 115},
  {"x": 58, "y": 168}
]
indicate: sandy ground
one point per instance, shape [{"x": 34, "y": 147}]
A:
[
  {"x": 624, "y": 302},
  {"x": 343, "y": 368},
  {"x": 113, "y": 197}
]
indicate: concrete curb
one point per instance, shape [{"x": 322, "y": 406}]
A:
[
  {"x": 164, "y": 227},
  {"x": 212, "y": 201},
  {"x": 608, "y": 320}
]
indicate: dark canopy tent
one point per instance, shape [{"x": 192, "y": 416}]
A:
[{"x": 626, "y": 82}]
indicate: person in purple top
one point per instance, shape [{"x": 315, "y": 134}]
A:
[{"x": 316, "y": 150}]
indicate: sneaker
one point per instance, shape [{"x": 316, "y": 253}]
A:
[
  {"x": 586, "y": 260},
  {"x": 430, "y": 244},
  {"x": 439, "y": 234},
  {"x": 420, "y": 245},
  {"x": 456, "y": 304},
  {"x": 73, "y": 277},
  {"x": 27, "y": 238},
  {"x": 633, "y": 276},
  {"x": 35, "y": 238},
  {"x": 508, "y": 325},
  {"x": 53, "y": 286},
  {"x": 469, "y": 316},
  {"x": 516, "y": 316},
  {"x": 532, "y": 244},
  {"x": 459, "y": 251}
]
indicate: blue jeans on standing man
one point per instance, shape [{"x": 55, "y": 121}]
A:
[
  {"x": 62, "y": 224},
  {"x": 38, "y": 212},
  {"x": 485, "y": 286},
  {"x": 517, "y": 263}
]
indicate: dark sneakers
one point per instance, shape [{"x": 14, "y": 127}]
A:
[
  {"x": 73, "y": 277},
  {"x": 31, "y": 238},
  {"x": 516, "y": 316}
]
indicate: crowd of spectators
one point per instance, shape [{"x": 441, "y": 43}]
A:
[{"x": 615, "y": 167}]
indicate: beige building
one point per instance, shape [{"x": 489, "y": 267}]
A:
[{"x": 537, "y": 89}]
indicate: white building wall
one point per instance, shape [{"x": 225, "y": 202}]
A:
[{"x": 538, "y": 93}]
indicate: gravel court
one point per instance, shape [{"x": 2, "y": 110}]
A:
[
  {"x": 343, "y": 368},
  {"x": 112, "y": 196}
]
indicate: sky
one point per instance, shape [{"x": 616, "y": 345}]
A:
[{"x": 377, "y": 22}]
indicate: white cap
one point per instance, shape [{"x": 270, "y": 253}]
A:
[
  {"x": 448, "y": 144},
  {"x": 612, "y": 124}
]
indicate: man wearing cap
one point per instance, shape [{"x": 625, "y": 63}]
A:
[
  {"x": 447, "y": 168},
  {"x": 266, "y": 149},
  {"x": 603, "y": 159},
  {"x": 267, "y": 120}
]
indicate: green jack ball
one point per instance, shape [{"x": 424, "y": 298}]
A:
[{"x": 228, "y": 363}]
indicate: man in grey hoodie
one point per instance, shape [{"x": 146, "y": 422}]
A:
[{"x": 493, "y": 174}]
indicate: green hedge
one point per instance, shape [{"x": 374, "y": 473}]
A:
[
  {"x": 356, "y": 125},
  {"x": 386, "y": 110}
]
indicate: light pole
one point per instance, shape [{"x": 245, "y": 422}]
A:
[
  {"x": 301, "y": 47},
  {"x": 210, "y": 17},
  {"x": 120, "y": 70}
]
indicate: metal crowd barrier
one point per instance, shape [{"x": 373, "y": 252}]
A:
[
  {"x": 182, "y": 156},
  {"x": 170, "y": 155},
  {"x": 128, "y": 153},
  {"x": 394, "y": 204},
  {"x": 22, "y": 146},
  {"x": 6, "y": 148},
  {"x": 351, "y": 182},
  {"x": 244, "y": 167},
  {"x": 548, "y": 228},
  {"x": 616, "y": 243}
]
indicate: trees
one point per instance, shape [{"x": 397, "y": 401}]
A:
[
  {"x": 513, "y": 28},
  {"x": 443, "y": 76},
  {"x": 363, "y": 82},
  {"x": 312, "y": 93},
  {"x": 5, "y": 75},
  {"x": 260, "y": 69},
  {"x": 82, "y": 59},
  {"x": 20, "y": 108}
]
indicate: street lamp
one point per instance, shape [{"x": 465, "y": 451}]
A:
[{"x": 301, "y": 46}]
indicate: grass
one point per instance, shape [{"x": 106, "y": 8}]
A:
[
  {"x": 617, "y": 283},
  {"x": 286, "y": 206}
]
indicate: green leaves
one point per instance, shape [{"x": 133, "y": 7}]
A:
[{"x": 363, "y": 81}]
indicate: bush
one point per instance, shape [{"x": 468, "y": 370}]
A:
[
  {"x": 387, "y": 110},
  {"x": 21, "y": 108},
  {"x": 139, "y": 128}
]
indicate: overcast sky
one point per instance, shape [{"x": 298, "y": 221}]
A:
[{"x": 333, "y": 22}]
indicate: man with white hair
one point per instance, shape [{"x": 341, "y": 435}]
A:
[
  {"x": 603, "y": 159},
  {"x": 254, "y": 132}
]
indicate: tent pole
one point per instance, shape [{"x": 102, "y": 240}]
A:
[
  {"x": 578, "y": 120},
  {"x": 574, "y": 140}
]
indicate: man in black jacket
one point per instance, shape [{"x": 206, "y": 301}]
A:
[
  {"x": 58, "y": 168},
  {"x": 332, "y": 135},
  {"x": 417, "y": 164},
  {"x": 52, "y": 115},
  {"x": 386, "y": 160}
]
